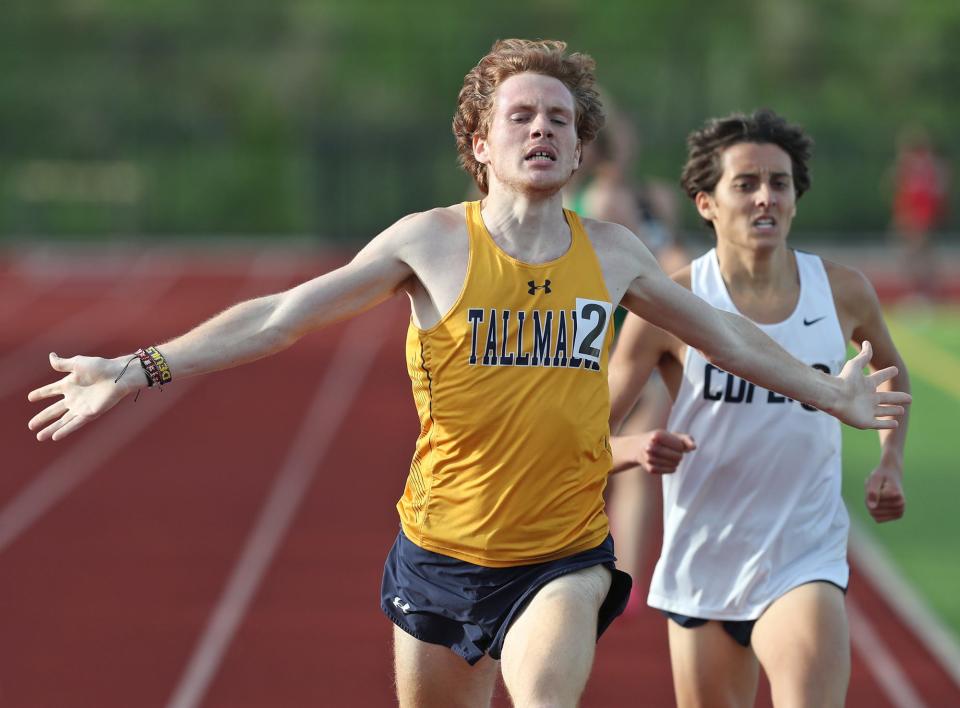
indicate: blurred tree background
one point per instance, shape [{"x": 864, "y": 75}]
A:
[{"x": 332, "y": 119}]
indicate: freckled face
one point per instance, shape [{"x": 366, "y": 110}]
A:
[
  {"x": 531, "y": 145},
  {"x": 754, "y": 202}
]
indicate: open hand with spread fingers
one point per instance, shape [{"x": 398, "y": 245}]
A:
[
  {"x": 861, "y": 404},
  {"x": 91, "y": 387}
]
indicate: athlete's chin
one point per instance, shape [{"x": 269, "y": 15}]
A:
[
  {"x": 539, "y": 183},
  {"x": 767, "y": 241},
  {"x": 770, "y": 239},
  {"x": 541, "y": 189}
]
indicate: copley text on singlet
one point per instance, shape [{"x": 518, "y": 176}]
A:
[{"x": 720, "y": 385}]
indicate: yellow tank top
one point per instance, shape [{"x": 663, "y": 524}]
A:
[{"x": 511, "y": 389}]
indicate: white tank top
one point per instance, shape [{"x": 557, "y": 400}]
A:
[{"x": 755, "y": 510}]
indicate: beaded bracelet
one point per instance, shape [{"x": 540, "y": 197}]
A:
[{"x": 154, "y": 366}]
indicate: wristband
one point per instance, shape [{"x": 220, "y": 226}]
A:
[{"x": 154, "y": 366}]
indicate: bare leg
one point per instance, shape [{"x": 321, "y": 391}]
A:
[
  {"x": 710, "y": 670},
  {"x": 548, "y": 652},
  {"x": 432, "y": 676},
  {"x": 803, "y": 644},
  {"x": 631, "y": 507}
]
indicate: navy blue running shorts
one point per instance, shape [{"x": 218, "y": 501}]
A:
[
  {"x": 740, "y": 630},
  {"x": 469, "y": 608}
]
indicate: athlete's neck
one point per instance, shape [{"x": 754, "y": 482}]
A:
[
  {"x": 757, "y": 269},
  {"x": 531, "y": 229},
  {"x": 764, "y": 287}
]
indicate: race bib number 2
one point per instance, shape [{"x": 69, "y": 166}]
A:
[{"x": 593, "y": 318}]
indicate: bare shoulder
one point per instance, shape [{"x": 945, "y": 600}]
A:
[
  {"x": 435, "y": 246},
  {"x": 417, "y": 235},
  {"x": 430, "y": 224},
  {"x": 448, "y": 217},
  {"x": 851, "y": 288},
  {"x": 616, "y": 246},
  {"x": 855, "y": 298},
  {"x": 607, "y": 236}
]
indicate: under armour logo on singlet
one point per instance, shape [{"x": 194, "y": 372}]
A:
[{"x": 534, "y": 287}]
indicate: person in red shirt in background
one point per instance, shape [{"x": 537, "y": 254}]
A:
[{"x": 920, "y": 188}]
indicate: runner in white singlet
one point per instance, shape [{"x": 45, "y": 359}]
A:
[
  {"x": 753, "y": 566},
  {"x": 756, "y": 508}
]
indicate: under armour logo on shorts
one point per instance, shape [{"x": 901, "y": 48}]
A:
[{"x": 534, "y": 287}]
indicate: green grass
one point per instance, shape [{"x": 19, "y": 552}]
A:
[{"x": 925, "y": 544}]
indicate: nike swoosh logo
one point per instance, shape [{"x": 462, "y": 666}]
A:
[{"x": 813, "y": 321}]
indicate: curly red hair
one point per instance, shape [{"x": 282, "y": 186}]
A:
[{"x": 507, "y": 58}]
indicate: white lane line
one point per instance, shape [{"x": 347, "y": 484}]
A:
[
  {"x": 875, "y": 564},
  {"x": 341, "y": 382},
  {"x": 127, "y": 299},
  {"x": 882, "y": 664},
  {"x": 71, "y": 469},
  {"x": 95, "y": 447}
]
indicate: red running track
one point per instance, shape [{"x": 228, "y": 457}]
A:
[{"x": 219, "y": 543}]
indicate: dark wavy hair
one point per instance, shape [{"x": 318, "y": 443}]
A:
[
  {"x": 506, "y": 58},
  {"x": 705, "y": 146}
]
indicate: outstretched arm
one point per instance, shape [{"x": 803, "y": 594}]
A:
[
  {"x": 735, "y": 344},
  {"x": 244, "y": 332},
  {"x": 257, "y": 328}
]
